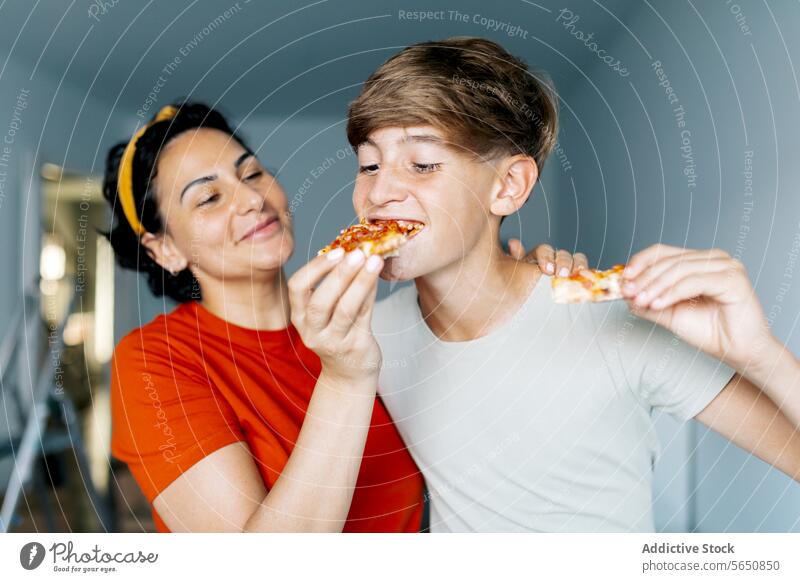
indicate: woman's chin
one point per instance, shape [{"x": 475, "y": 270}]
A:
[
  {"x": 273, "y": 253},
  {"x": 272, "y": 262}
]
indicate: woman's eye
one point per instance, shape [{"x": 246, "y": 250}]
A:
[
  {"x": 426, "y": 168},
  {"x": 254, "y": 175},
  {"x": 208, "y": 200},
  {"x": 368, "y": 169}
]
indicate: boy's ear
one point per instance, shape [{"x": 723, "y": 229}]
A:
[
  {"x": 163, "y": 251},
  {"x": 516, "y": 177}
]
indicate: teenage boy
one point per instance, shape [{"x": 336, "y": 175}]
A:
[{"x": 453, "y": 134}]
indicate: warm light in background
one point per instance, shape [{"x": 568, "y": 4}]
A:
[
  {"x": 78, "y": 328},
  {"x": 53, "y": 262},
  {"x": 104, "y": 302},
  {"x": 52, "y": 172}
]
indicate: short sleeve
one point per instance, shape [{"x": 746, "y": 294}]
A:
[
  {"x": 665, "y": 372},
  {"x": 165, "y": 415}
]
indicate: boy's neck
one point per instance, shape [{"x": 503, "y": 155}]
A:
[{"x": 472, "y": 297}]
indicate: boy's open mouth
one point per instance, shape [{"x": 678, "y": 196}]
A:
[{"x": 409, "y": 228}]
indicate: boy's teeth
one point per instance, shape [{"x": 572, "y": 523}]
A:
[{"x": 407, "y": 225}]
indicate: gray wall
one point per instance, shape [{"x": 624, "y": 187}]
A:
[{"x": 633, "y": 186}]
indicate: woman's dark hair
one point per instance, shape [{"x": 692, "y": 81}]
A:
[{"x": 127, "y": 248}]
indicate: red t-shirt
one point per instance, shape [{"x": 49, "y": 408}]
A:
[{"x": 189, "y": 383}]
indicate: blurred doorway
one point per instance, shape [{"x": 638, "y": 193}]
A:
[{"x": 76, "y": 302}]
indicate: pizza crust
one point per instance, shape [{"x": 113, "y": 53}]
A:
[{"x": 590, "y": 285}]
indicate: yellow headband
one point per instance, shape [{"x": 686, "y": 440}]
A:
[{"x": 125, "y": 175}]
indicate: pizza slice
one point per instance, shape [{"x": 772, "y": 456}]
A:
[
  {"x": 589, "y": 285},
  {"x": 382, "y": 237}
]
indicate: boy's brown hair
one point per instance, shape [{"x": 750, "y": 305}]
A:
[{"x": 483, "y": 99}]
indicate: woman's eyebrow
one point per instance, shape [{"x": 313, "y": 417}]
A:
[
  {"x": 240, "y": 160},
  {"x": 196, "y": 182}
]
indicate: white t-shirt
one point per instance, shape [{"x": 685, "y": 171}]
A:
[{"x": 545, "y": 423}]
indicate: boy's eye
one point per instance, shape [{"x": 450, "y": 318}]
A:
[
  {"x": 369, "y": 169},
  {"x": 208, "y": 200},
  {"x": 254, "y": 175},
  {"x": 426, "y": 168}
]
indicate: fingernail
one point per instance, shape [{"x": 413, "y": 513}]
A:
[
  {"x": 336, "y": 254},
  {"x": 355, "y": 257},
  {"x": 658, "y": 303},
  {"x": 563, "y": 272},
  {"x": 641, "y": 297},
  {"x": 629, "y": 287},
  {"x": 549, "y": 267},
  {"x": 373, "y": 263},
  {"x": 627, "y": 272}
]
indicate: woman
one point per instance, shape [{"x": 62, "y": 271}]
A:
[{"x": 226, "y": 418}]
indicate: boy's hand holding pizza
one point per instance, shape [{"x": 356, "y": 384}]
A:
[{"x": 705, "y": 297}]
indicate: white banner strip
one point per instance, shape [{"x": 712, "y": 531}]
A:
[{"x": 507, "y": 557}]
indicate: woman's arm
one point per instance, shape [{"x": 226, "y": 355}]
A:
[
  {"x": 316, "y": 486},
  {"x": 225, "y": 492}
]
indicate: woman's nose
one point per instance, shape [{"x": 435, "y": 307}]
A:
[{"x": 248, "y": 199}]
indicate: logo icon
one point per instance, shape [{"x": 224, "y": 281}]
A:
[{"x": 31, "y": 555}]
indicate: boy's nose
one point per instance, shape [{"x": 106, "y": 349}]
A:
[{"x": 388, "y": 187}]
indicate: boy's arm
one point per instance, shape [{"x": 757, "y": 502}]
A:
[
  {"x": 747, "y": 417},
  {"x": 706, "y": 298}
]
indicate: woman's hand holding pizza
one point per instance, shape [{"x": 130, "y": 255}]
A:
[
  {"x": 331, "y": 306},
  {"x": 703, "y": 296}
]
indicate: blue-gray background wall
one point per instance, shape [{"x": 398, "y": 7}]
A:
[{"x": 287, "y": 70}]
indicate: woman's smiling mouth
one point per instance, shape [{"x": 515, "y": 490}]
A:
[{"x": 264, "y": 229}]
